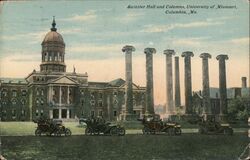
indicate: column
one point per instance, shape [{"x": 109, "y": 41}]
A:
[
  {"x": 149, "y": 79},
  {"x": 67, "y": 113},
  {"x": 169, "y": 82},
  {"x": 188, "y": 82},
  {"x": 222, "y": 85},
  {"x": 205, "y": 86},
  {"x": 128, "y": 84},
  {"x": 60, "y": 95},
  {"x": 177, "y": 96},
  {"x": 60, "y": 113},
  {"x": 68, "y": 95}
]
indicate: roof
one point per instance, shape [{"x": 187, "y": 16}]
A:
[
  {"x": 231, "y": 92},
  {"x": 53, "y": 36},
  {"x": 13, "y": 80},
  {"x": 117, "y": 82}
]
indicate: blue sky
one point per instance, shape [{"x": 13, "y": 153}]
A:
[{"x": 95, "y": 31}]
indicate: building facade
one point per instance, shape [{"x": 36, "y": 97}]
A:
[{"x": 54, "y": 93}]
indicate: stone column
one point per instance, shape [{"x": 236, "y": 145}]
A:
[
  {"x": 177, "y": 84},
  {"x": 67, "y": 94},
  {"x": 243, "y": 82},
  {"x": 223, "y": 86},
  {"x": 129, "y": 84},
  {"x": 67, "y": 113},
  {"x": 60, "y": 95},
  {"x": 169, "y": 82},
  {"x": 60, "y": 113},
  {"x": 205, "y": 86},
  {"x": 188, "y": 82},
  {"x": 149, "y": 79}
]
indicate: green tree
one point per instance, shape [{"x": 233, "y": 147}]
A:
[{"x": 239, "y": 108}]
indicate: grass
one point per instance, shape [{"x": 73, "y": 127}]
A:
[{"x": 137, "y": 147}]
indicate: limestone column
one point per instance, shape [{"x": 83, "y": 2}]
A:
[
  {"x": 149, "y": 79},
  {"x": 67, "y": 113},
  {"x": 60, "y": 113},
  {"x": 188, "y": 81},
  {"x": 60, "y": 95},
  {"x": 222, "y": 85},
  {"x": 129, "y": 83},
  {"x": 177, "y": 96},
  {"x": 205, "y": 85},
  {"x": 169, "y": 82}
]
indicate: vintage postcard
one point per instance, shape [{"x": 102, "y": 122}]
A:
[{"x": 123, "y": 79}]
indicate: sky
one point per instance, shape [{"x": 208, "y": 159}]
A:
[{"x": 95, "y": 32}]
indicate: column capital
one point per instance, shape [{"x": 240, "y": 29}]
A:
[
  {"x": 187, "y": 54},
  {"x": 222, "y": 57},
  {"x": 169, "y": 52},
  {"x": 205, "y": 55},
  {"x": 149, "y": 50},
  {"x": 128, "y": 48}
]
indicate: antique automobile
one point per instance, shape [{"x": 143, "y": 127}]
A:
[
  {"x": 153, "y": 125},
  {"x": 97, "y": 126},
  {"x": 213, "y": 127},
  {"x": 51, "y": 127}
]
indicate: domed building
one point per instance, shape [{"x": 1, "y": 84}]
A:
[{"x": 55, "y": 93}]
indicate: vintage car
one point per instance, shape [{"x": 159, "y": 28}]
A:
[
  {"x": 213, "y": 127},
  {"x": 51, "y": 127},
  {"x": 96, "y": 126},
  {"x": 152, "y": 125}
]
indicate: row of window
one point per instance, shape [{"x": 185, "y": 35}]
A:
[
  {"x": 99, "y": 113},
  {"x": 14, "y": 102},
  {"x": 14, "y": 113},
  {"x": 53, "y": 57},
  {"x": 13, "y": 93}
]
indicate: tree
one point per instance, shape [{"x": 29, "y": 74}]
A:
[{"x": 239, "y": 108}]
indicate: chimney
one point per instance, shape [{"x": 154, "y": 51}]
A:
[{"x": 244, "y": 82}]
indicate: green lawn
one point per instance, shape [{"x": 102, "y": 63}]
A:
[{"x": 129, "y": 147}]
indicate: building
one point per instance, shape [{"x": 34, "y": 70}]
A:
[
  {"x": 232, "y": 93},
  {"x": 55, "y": 93}
]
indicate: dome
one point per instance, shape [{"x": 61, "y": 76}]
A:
[{"x": 53, "y": 36}]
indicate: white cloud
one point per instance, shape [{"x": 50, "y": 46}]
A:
[
  {"x": 165, "y": 28},
  {"x": 89, "y": 15},
  {"x": 241, "y": 41},
  {"x": 129, "y": 17}
]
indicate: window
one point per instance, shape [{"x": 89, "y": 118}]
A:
[
  {"x": 4, "y": 113},
  {"x": 41, "y": 112},
  {"x": 92, "y": 95},
  {"x": 92, "y": 102},
  {"x": 14, "y": 102},
  {"x": 13, "y": 112},
  {"x": 82, "y": 102},
  {"x": 70, "y": 92},
  {"x": 115, "y": 113},
  {"x": 115, "y": 94},
  {"x": 82, "y": 92},
  {"x": 42, "y": 102},
  {"x": 37, "y": 113},
  {"x": 37, "y": 101},
  {"x": 100, "y": 104},
  {"x": 14, "y": 93},
  {"x": 23, "y": 112},
  {"x": 92, "y": 113},
  {"x": 100, "y": 95},
  {"x": 23, "y": 101},
  {"x": 54, "y": 92},
  {"x": 115, "y": 102},
  {"x": 4, "y": 92},
  {"x": 24, "y": 92},
  {"x": 100, "y": 113},
  {"x": 42, "y": 92},
  {"x": 37, "y": 92}
]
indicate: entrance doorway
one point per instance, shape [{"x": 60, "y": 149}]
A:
[
  {"x": 55, "y": 113},
  {"x": 64, "y": 113}
]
